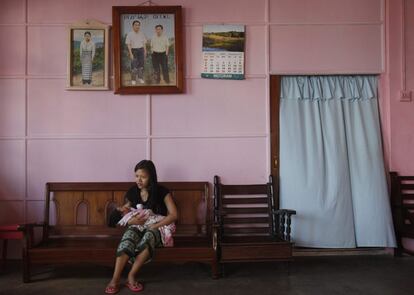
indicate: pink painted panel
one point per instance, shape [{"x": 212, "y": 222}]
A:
[
  {"x": 326, "y": 49},
  {"x": 409, "y": 49},
  {"x": 56, "y": 111},
  {"x": 12, "y": 107},
  {"x": 236, "y": 160},
  {"x": 11, "y": 212},
  {"x": 402, "y": 140},
  {"x": 212, "y": 107},
  {"x": 35, "y": 211},
  {"x": 193, "y": 44},
  {"x": 48, "y": 48},
  {"x": 401, "y": 113},
  {"x": 325, "y": 11},
  {"x": 12, "y": 170},
  {"x": 230, "y": 11},
  {"x": 81, "y": 160},
  {"x": 255, "y": 62},
  {"x": 12, "y": 11},
  {"x": 12, "y": 61},
  {"x": 62, "y": 12}
]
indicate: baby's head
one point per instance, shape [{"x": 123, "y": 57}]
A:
[{"x": 124, "y": 209}]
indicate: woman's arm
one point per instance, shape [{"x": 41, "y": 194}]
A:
[
  {"x": 137, "y": 220},
  {"x": 172, "y": 213}
]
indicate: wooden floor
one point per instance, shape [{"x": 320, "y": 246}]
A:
[
  {"x": 331, "y": 275},
  {"x": 306, "y": 252}
]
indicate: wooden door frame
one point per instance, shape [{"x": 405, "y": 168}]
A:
[{"x": 274, "y": 131}]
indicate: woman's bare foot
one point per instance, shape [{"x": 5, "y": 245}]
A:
[
  {"x": 131, "y": 279},
  {"x": 112, "y": 287}
]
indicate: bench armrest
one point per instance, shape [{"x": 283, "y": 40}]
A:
[
  {"x": 26, "y": 226},
  {"x": 282, "y": 218},
  {"x": 284, "y": 211},
  {"x": 216, "y": 235},
  {"x": 28, "y": 233}
]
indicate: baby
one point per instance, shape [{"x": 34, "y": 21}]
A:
[{"x": 150, "y": 218}]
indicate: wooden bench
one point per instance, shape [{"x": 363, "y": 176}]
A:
[
  {"x": 250, "y": 228},
  {"x": 402, "y": 206},
  {"x": 75, "y": 228}
]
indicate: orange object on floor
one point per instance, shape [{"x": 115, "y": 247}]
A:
[{"x": 8, "y": 232}]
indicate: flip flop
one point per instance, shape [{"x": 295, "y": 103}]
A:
[
  {"x": 135, "y": 287},
  {"x": 112, "y": 289}
]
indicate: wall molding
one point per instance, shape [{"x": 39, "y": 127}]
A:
[
  {"x": 140, "y": 137},
  {"x": 404, "y": 95},
  {"x": 403, "y": 46},
  {"x": 200, "y": 24}
]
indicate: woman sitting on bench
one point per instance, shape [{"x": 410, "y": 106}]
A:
[{"x": 138, "y": 246}]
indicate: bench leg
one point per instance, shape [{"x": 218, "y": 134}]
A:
[
  {"x": 4, "y": 255},
  {"x": 26, "y": 268},
  {"x": 214, "y": 269},
  {"x": 398, "y": 252},
  {"x": 222, "y": 273}
]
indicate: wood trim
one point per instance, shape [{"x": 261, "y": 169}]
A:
[
  {"x": 253, "y": 189},
  {"x": 121, "y": 186},
  {"x": 241, "y": 210},
  {"x": 275, "y": 83},
  {"x": 261, "y": 200}
]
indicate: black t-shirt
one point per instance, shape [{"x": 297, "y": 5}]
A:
[{"x": 155, "y": 202}]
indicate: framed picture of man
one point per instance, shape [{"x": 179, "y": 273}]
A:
[
  {"x": 148, "y": 49},
  {"x": 88, "y": 54}
]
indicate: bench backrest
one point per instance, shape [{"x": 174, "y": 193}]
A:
[
  {"x": 402, "y": 200},
  {"x": 244, "y": 210},
  {"x": 82, "y": 209}
]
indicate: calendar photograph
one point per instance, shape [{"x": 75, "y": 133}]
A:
[{"x": 223, "y": 52}]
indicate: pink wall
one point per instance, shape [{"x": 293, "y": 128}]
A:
[
  {"x": 215, "y": 127},
  {"x": 401, "y": 71},
  {"x": 401, "y": 77}
]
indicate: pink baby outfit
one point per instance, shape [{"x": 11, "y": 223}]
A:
[{"x": 166, "y": 231}]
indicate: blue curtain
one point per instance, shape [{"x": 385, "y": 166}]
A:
[{"x": 331, "y": 162}]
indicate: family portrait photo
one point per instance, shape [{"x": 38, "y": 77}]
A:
[{"x": 147, "y": 49}]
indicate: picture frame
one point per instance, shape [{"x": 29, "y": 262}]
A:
[
  {"x": 148, "y": 49},
  {"x": 88, "y": 56}
]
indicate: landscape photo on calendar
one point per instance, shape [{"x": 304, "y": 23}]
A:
[{"x": 223, "y": 38}]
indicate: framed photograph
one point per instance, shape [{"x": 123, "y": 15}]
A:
[
  {"x": 88, "y": 56},
  {"x": 148, "y": 49}
]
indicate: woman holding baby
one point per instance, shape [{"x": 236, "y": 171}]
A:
[{"x": 138, "y": 245}]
